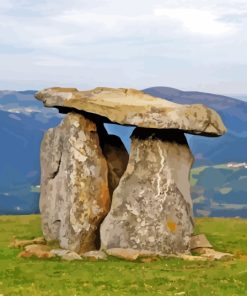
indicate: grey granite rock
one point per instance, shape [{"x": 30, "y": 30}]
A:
[
  {"x": 199, "y": 241},
  {"x": 74, "y": 184},
  {"x": 152, "y": 208},
  {"x": 116, "y": 155},
  {"x": 59, "y": 252},
  {"x": 71, "y": 256},
  {"x": 95, "y": 255}
]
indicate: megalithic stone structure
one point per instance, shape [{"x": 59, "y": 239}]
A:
[{"x": 88, "y": 181}]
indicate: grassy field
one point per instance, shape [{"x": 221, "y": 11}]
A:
[{"x": 115, "y": 277}]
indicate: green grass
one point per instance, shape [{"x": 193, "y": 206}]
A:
[{"x": 33, "y": 277}]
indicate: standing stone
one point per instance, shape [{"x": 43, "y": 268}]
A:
[
  {"x": 151, "y": 207},
  {"x": 116, "y": 155},
  {"x": 74, "y": 186}
]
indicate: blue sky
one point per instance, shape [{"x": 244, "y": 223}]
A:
[{"x": 191, "y": 45}]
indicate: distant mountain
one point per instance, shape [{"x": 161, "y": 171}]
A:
[
  {"x": 23, "y": 121},
  {"x": 241, "y": 97},
  {"x": 22, "y": 125},
  {"x": 219, "y": 191}
]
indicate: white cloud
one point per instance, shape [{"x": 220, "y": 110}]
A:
[
  {"x": 133, "y": 43},
  {"x": 197, "y": 21}
]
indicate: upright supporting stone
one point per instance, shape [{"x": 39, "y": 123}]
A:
[
  {"x": 116, "y": 155},
  {"x": 74, "y": 186},
  {"x": 151, "y": 207}
]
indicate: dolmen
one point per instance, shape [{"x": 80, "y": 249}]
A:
[{"x": 96, "y": 196}]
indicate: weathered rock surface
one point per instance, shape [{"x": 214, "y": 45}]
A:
[
  {"x": 199, "y": 241},
  {"x": 151, "y": 207},
  {"x": 133, "y": 107},
  {"x": 71, "y": 256},
  {"x": 74, "y": 187},
  {"x": 17, "y": 243},
  {"x": 211, "y": 254},
  {"x": 200, "y": 245},
  {"x": 130, "y": 254},
  {"x": 95, "y": 255},
  {"x": 65, "y": 254},
  {"x": 36, "y": 250},
  {"x": 116, "y": 155},
  {"x": 126, "y": 254},
  {"x": 59, "y": 252}
]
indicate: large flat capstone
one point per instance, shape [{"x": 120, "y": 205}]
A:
[{"x": 134, "y": 107}]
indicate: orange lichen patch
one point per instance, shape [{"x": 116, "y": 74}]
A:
[{"x": 171, "y": 226}]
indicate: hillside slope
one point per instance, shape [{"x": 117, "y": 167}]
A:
[
  {"x": 22, "y": 126},
  {"x": 219, "y": 191}
]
